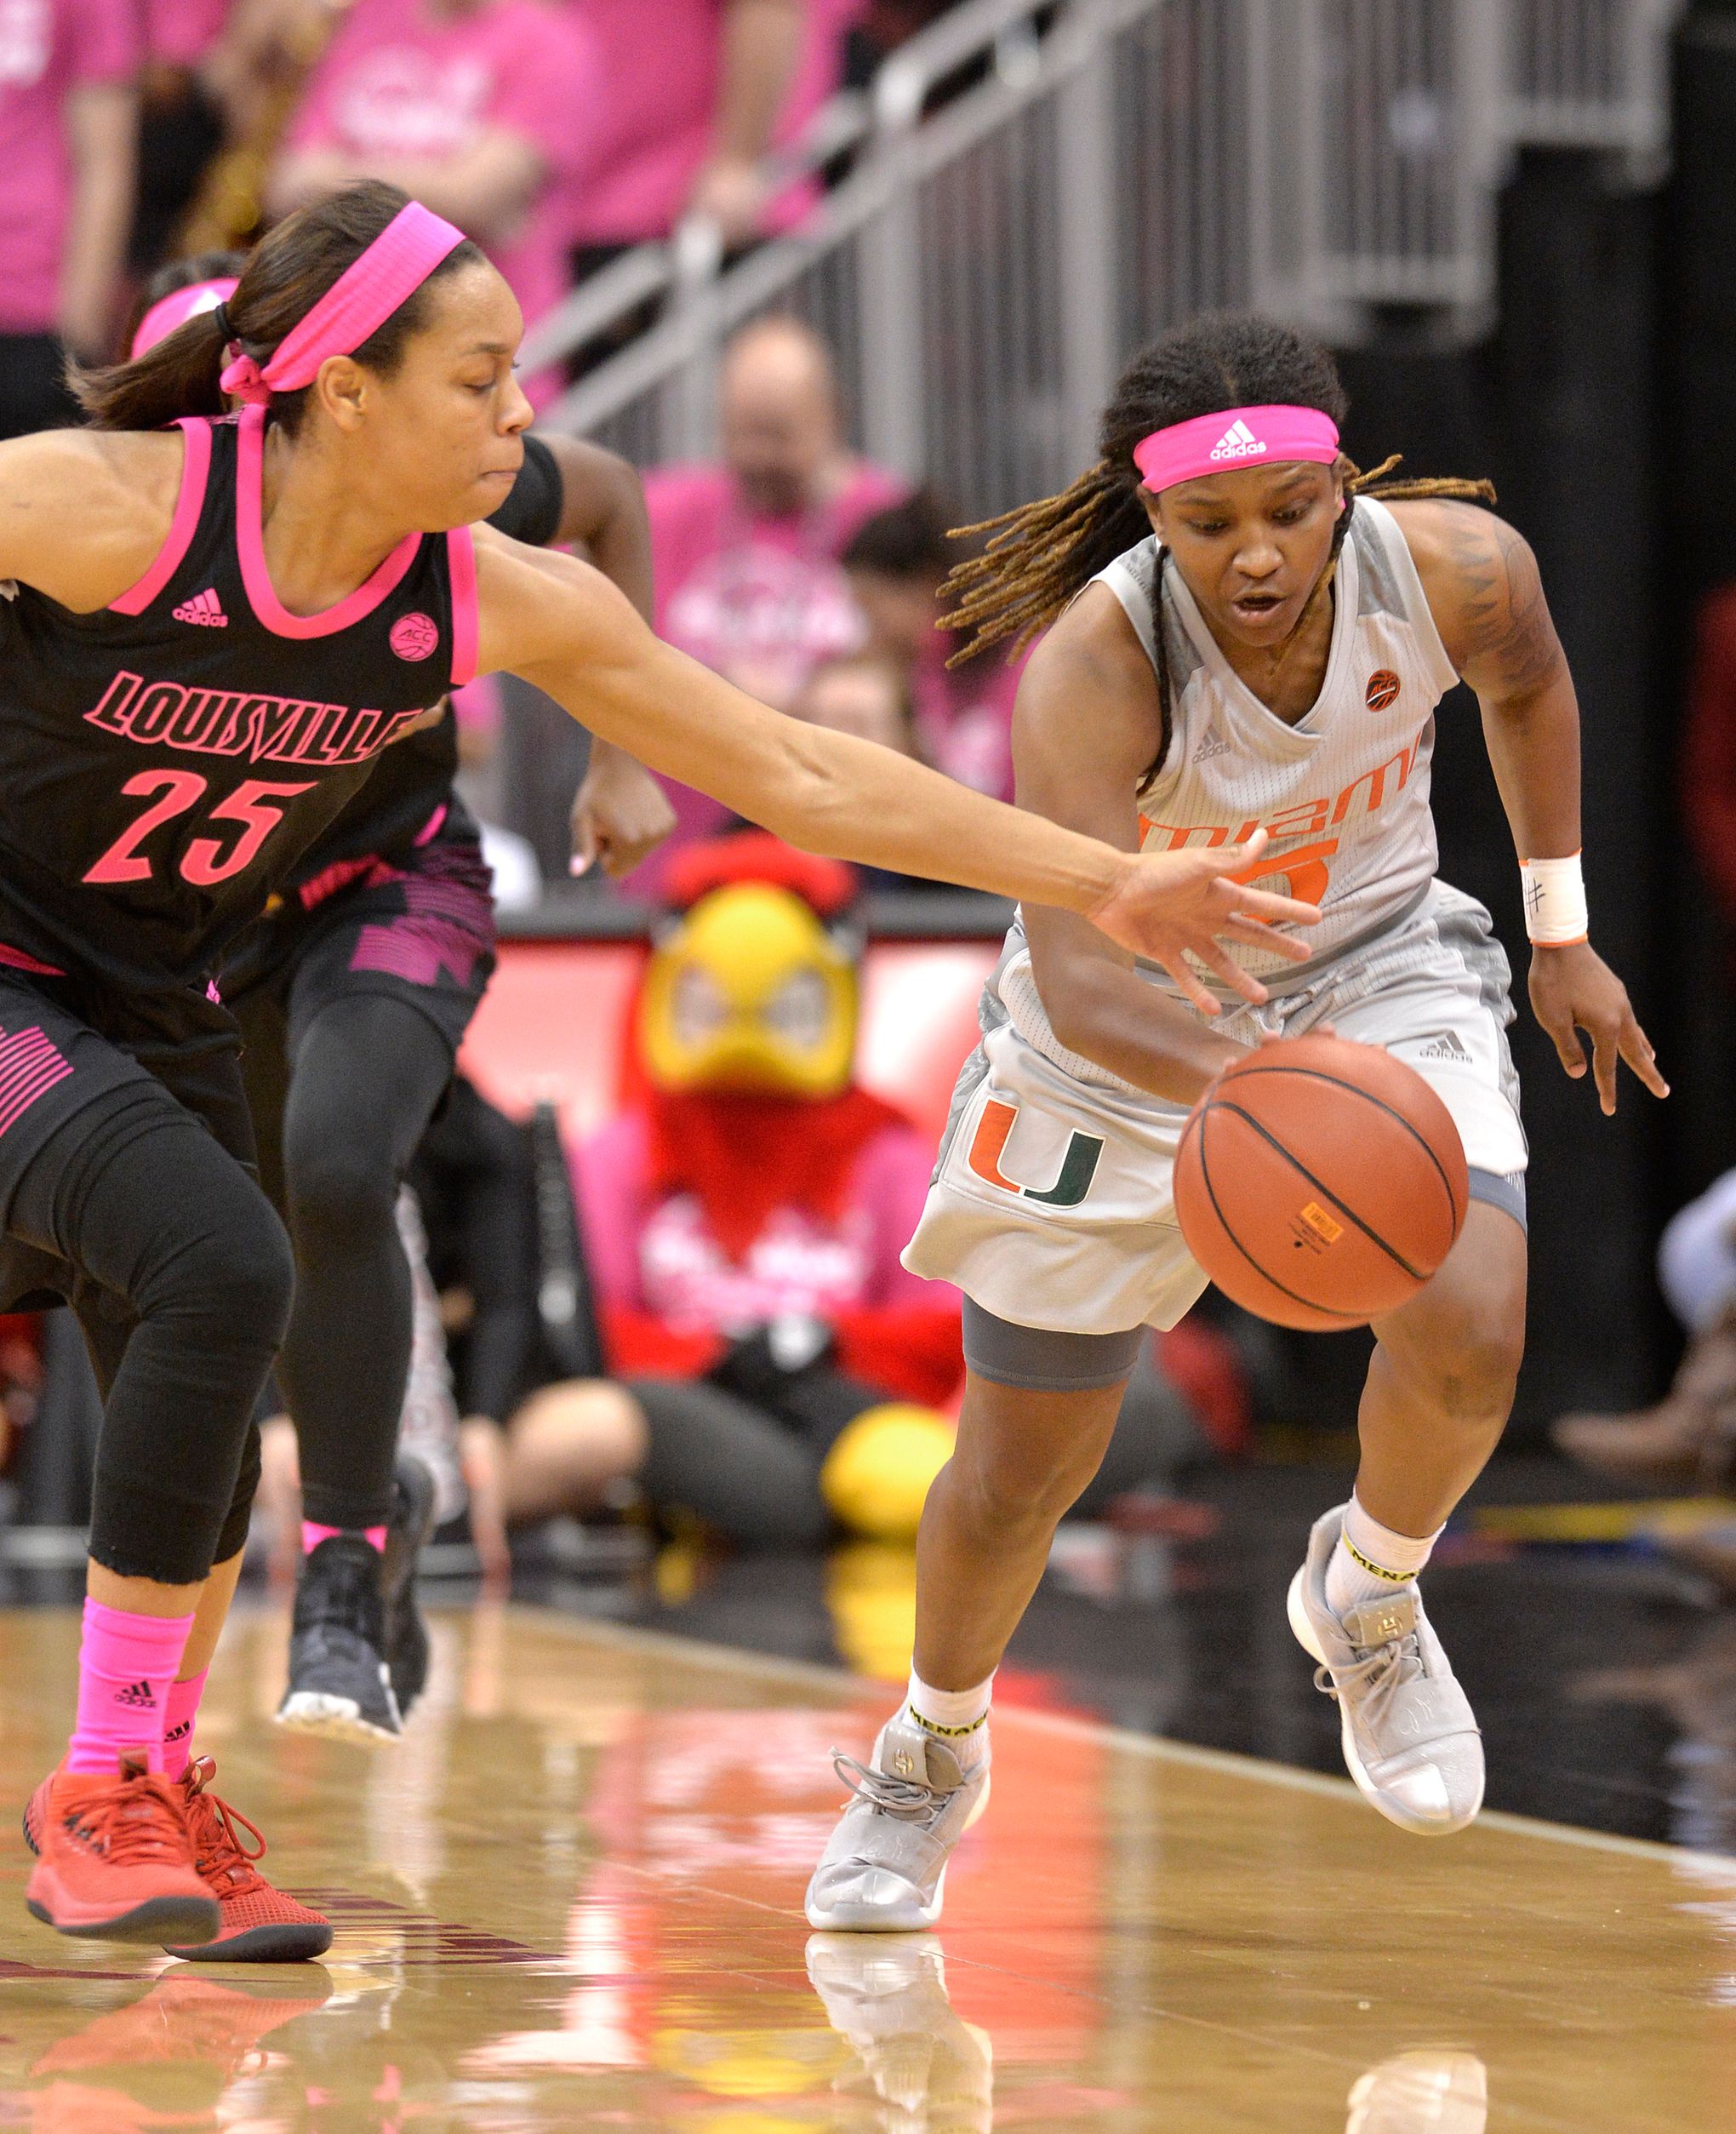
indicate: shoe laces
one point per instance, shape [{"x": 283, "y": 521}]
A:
[
  {"x": 910, "y": 1800},
  {"x": 216, "y": 1829},
  {"x": 1384, "y": 1669},
  {"x": 138, "y": 1825}
]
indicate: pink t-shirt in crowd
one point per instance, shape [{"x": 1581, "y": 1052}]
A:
[
  {"x": 964, "y": 716},
  {"x": 760, "y": 600},
  {"x": 48, "y": 47},
  {"x": 663, "y": 87},
  {"x": 181, "y": 32},
  {"x": 403, "y": 80}
]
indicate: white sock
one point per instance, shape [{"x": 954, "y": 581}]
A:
[
  {"x": 960, "y": 1717},
  {"x": 1371, "y": 1561}
]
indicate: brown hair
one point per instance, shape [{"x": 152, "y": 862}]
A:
[{"x": 283, "y": 278}]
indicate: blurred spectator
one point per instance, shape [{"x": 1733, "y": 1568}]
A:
[
  {"x": 746, "y": 551},
  {"x": 1708, "y": 752},
  {"x": 896, "y": 563},
  {"x": 884, "y": 25},
  {"x": 483, "y": 109},
  {"x": 1688, "y": 1441},
  {"x": 693, "y": 110},
  {"x": 69, "y": 112},
  {"x": 862, "y": 694},
  {"x": 181, "y": 126}
]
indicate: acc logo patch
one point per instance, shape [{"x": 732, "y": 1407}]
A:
[
  {"x": 414, "y": 637},
  {"x": 1383, "y": 689}
]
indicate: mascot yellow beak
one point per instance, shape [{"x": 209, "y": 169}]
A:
[{"x": 749, "y": 994}]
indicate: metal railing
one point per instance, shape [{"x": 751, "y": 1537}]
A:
[{"x": 994, "y": 250}]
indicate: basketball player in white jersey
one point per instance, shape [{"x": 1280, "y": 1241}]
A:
[{"x": 1241, "y": 636}]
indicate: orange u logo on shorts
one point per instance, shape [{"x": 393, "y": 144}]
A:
[{"x": 1078, "y": 1166}]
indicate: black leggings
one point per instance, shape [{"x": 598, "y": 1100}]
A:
[
  {"x": 183, "y": 1280},
  {"x": 367, "y": 1074}
]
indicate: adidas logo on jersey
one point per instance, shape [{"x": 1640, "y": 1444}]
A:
[
  {"x": 137, "y": 1697},
  {"x": 204, "y": 607},
  {"x": 1214, "y": 744},
  {"x": 1238, "y": 442},
  {"x": 1446, "y": 1046}
]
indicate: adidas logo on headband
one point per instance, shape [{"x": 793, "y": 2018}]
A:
[{"x": 1238, "y": 442}]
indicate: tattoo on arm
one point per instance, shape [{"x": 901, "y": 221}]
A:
[{"x": 1507, "y": 644}]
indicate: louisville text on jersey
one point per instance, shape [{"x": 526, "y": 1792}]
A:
[{"x": 280, "y": 730}]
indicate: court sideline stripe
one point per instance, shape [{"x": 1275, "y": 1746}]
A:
[{"x": 701, "y": 1653}]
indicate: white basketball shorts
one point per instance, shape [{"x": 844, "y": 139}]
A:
[{"x": 1051, "y": 1204}]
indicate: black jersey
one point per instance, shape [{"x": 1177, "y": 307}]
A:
[
  {"x": 410, "y": 797},
  {"x": 166, "y": 762}
]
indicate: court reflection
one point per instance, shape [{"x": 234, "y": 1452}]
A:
[{"x": 572, "y": 1898}]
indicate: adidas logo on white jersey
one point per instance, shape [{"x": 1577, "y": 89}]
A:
[
  {"x": 1238, "y": 442},
  {"x": 1214, "y": 744}
]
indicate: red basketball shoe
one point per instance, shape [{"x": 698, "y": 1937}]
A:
[
  {"x": 115, "y": 1858},
  {"x": 259, "y": 1925}
]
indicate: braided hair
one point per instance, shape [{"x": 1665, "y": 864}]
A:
[{"x": 1036, "y": 558}]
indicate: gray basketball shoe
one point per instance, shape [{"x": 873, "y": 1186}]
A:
[
  {"x": 884, "y": 1869},
  {"x": 1410, "y": 1739}
]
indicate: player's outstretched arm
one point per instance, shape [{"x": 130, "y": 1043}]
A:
[
  {"x": 1487, "y": 597},
  {"x": 559, "y": 624}
]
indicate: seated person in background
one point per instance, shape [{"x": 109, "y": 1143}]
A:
[
  {"x": 782, "y": 1377},
  {"x": 897, "y": 562},
  {"x": 1688, "y": 1441},
  {"x": 483, "y": 110},
  {"x": 863, "y": 694},
  {"x": 746, "y": 551}
]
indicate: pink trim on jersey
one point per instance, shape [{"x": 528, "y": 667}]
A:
[
  {"x": 249, "y": 542},
  {"x": 431, "y": 829},
  {"x": 196, "y": 468},
  {"x": 15, "y": 960},
  {"x": 461, "y": 558},
  {"x": 30, "y": 1066}
]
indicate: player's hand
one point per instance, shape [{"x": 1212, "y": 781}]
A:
[
  {"x": 1169, "y": 905},
  {"x": 620, "y": 813},
  {"x": 481, "y": 1450},
  {"x": 1574, "y": 989}
]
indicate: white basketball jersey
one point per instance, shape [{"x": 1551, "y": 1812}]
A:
[{"x": 1344, "y": 795}]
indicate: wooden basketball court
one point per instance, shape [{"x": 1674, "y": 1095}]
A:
[{"x": 571, "y": 1898}]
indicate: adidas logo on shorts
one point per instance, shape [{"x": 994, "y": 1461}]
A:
[
  {"x": 136, "y": 1697},
  {"x": 1238, "y": 442},
  {"x": 1446, "y": 1046}
]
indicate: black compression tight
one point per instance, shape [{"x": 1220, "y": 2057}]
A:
[
  {"x": 185, "y": 1278},
  {"x": 364, "y": 1085}
]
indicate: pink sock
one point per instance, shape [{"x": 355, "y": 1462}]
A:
[
  {"x": 126, "y": 1663},
  {"x": 312, "y": 1534},
  {"x": 180, "y": 1708}
]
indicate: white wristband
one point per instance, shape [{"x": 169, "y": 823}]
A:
[{"x": 1555, "y": 902}]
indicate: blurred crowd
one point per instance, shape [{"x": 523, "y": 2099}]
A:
[{"x": 557, "y": 133}]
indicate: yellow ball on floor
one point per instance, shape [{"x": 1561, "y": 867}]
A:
[{"x": 877, "y": 1473}]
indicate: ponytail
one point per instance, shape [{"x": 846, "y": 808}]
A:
[{"x": 179, "y": 376}]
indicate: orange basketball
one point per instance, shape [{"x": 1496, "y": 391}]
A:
[{"x": 1320, "y": 1183}]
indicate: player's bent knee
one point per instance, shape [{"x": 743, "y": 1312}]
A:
[{"x": 339, "y": 1191}]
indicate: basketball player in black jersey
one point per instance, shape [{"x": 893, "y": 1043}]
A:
[
  {"x": 217, "y": 627},
  {"x": 352, "y": 996}
]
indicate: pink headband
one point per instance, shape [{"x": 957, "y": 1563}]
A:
[
  {"x": 357, "y": 304},
  {"x": 174, "y": 310},
  {"x": 1237, "y": 438}
]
